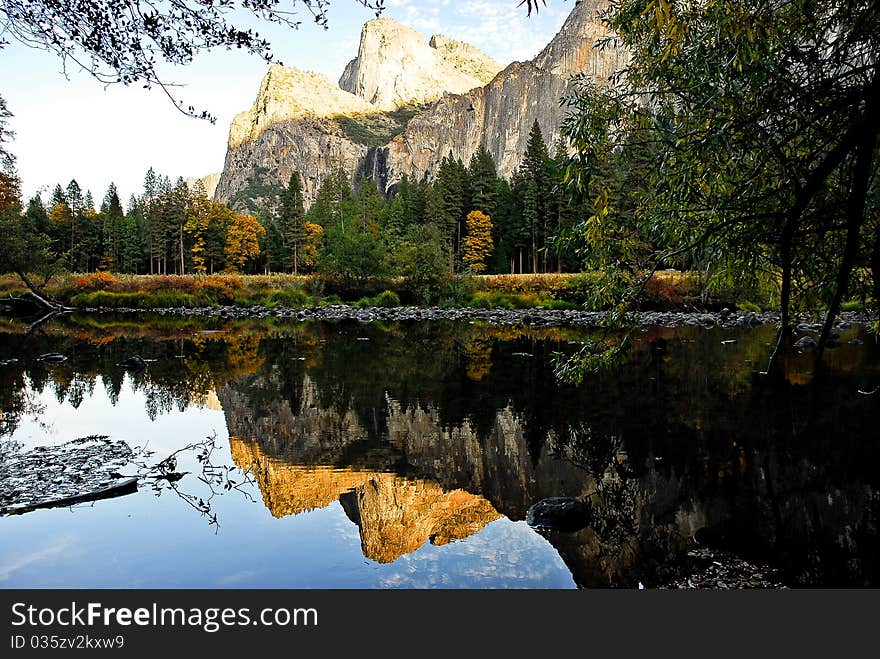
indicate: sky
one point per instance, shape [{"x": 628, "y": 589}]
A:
[{"x": 74, "y": 127}]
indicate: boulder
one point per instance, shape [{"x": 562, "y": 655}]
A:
[
  {"x": 566, "y": 514},
  {"x": 805, "y": 343}
]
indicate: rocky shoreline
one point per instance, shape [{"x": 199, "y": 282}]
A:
[
  {"x": 705, "y": 568},
  {"x": 537, "y": 316}
]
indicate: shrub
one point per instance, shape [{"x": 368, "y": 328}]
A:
[
  {"x": 314, "y": 286},
  {"x": 480, "y": 302},
  {"x": 559, "y": 305},
  {"x": 383, "y": 299},
  {"x": 663, "y": 292},
  {"x": 748, "y": 306},
  {"x": 497, "y": 299},
  {"x": 95, "y": 281},
  {"x": 579, "y": 289},
  {"x": 221, "y": 288},
  {"x": 533, "y": 283},
  {"x": 291, "y": 297},
  {"x": 852, "y": 305},
  {"x": 387, "y": 299}
]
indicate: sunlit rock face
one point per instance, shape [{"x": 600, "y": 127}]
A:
[
  {"x": 303, "y": 122},
  {"x": 395, "y": 66},
  {"x": 395, "y": 515},
  {"x": 286, "y": 93},
  {"x": 208, "y": 183},
  {"x": 500, "y": 115},
  {"x": 289, "y": 128}
]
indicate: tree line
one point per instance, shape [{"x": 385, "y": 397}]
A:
[
  {"x": 168, "y": 229},
  {"x": 468, "y": 219}
]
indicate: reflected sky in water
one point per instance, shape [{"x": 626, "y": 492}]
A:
[{"x": 144, "y": 541}]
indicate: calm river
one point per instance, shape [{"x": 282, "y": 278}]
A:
[{"x": 406, "y": 455}]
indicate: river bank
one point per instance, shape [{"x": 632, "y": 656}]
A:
[{"x": 537, "y": 316}]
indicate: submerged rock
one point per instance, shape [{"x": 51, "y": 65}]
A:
[
  {"x": 805, "y": 343},
  {"x": 565, "y": 514},
  {"x": 135, "y": 363},
  {"x": 52, "y": 358}
]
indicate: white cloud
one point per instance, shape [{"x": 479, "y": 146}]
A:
[{"x": 14, "y": 565}]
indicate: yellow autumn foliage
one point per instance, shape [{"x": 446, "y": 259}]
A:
[{"x": 478, "y": 242}]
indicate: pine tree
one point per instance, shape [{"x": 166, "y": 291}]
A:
[
  {"x": 291, "y": 220},
  {"x": 531, "y": 213},
  {"x": 450, "y": 186},
  {"x": 483, "y": 177},
  {"x": 37, "y": 215},
  {"x": 333, "y": 201},
  {"x": 537, "y": 168},
  {"x": 113, "y": 216},
  {"x": 74, "y": 197},
  {"x": 180, "y": 200},
  {"x": 132, "y": 238},
  {"x": 502, "y": 229},
  {"x": 369, "y": 204},
  {"x": 149, "y": 211},
  {"x": 58, "y": 196},
  {"x": 74, "y": 201}
]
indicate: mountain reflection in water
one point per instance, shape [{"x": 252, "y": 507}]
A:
[{"x": 426, "y": 434}]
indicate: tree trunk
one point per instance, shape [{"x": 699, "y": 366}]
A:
[
  {"x": 45, "y": 300},
  {"x": 875, "y": 267},
  {"x": 784, "y": 294},
  {"x": 855, "y": 217},
  {"x": 182, "y": 271}
]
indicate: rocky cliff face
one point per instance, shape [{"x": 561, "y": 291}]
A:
[
  {"x": 395, "y": 66},
  {"x": 303, "y": 122},
  {"x": 500, "y": 115},
  {"x": 291, "y": 127}
]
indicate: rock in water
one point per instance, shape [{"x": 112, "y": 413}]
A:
[
  {"x": 805, "y": 343},
  {"x": 565, "y": 514},
  {"x": 135, "y": 363},
  {"x": 52, "y": 358}
]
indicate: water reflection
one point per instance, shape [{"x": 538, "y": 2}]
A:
[
  {"x": 426, "y": 434},
  {"x": 395, "y": 515}
]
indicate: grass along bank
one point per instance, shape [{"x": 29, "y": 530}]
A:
[{"x": 665, "y": 291}]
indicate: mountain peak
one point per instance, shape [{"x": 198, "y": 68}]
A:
[
  {"x": 396, "y": 66},
  {"x": 288, "y": 93}
]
